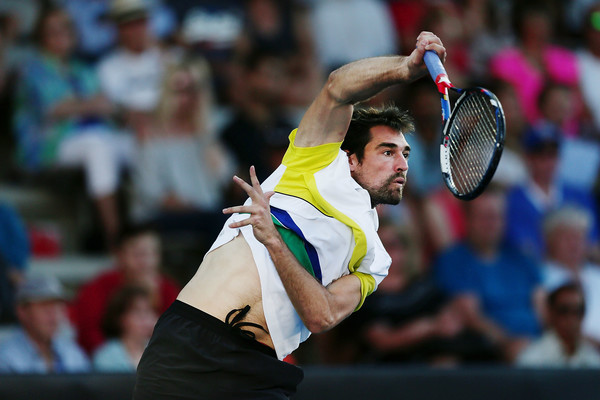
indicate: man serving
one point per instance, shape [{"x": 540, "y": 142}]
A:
[{"x": 300, "y": 255}]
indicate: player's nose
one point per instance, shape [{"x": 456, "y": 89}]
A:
[{"x": 401, "y": 164}]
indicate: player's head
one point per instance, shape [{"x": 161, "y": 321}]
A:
[{"x": 378, "y": 151}]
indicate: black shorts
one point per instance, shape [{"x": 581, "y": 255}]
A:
[{"x": 193, "y": 355}]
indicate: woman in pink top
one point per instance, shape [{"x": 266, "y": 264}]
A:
[{"x": 534, "y": 61}]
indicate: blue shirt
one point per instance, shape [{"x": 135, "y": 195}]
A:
[
  {"x": 525, "y": 217},
  {"x": 14, "y": 243},
  {"x": 504, "y": 286},
  {"x": 18, "y": 355},
  {"x": 112, "y": 357}
]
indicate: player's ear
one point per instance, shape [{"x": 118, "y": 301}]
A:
[{"x": 352, "y": 160}]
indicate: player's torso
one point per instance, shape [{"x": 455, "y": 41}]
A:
[{"x": 227, "y": 280}]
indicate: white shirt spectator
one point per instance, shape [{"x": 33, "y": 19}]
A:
[
  {"x": 349, "y": 30},
  {"x": 548, "y": 351},
  {"x": 555, "y": 275},
  {"x": 133, "y": 80}
]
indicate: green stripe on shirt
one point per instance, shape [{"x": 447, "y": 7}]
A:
[{"x": 295, "y": 244}]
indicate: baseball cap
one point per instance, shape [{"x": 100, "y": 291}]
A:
[
  {"x": 128, "y": 10},
  {"x": 39, "y": 288},
  {"x": 541, "y": 136}
]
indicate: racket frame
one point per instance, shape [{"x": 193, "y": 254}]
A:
[{"x": 440, "y": 77}]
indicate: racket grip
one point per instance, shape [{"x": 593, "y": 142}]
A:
[{"x": 434, "y": 65}]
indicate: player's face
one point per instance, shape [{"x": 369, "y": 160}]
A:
[{"x": 382, "y": 171}]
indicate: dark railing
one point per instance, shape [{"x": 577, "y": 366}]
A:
[{"x": 348, "y": 383}]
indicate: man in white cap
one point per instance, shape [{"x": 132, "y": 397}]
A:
[{"x": 35, "y": 347}]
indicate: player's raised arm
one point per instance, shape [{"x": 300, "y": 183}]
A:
[{"x": 328, "y": 117}]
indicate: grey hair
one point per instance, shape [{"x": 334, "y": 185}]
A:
[{"x": 568, "y": 216}]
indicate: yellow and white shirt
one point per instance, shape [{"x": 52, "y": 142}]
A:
[{"x": 326, "y": 219}]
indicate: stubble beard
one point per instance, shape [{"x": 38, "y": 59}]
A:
[{"x": 385, "y": 193}]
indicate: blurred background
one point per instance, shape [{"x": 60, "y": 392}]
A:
[{"x": 123, "y": 121}]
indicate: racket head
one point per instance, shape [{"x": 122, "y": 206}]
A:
[{"x": 472, "y": 142}]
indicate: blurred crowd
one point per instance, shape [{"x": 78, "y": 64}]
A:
[{"x": 157, "y": 104}]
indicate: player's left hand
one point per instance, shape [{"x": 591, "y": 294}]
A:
[
  {"x": 260, "y": 212},
  {"x": 425, "y": 41}
]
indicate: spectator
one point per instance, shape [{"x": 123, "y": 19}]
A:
[
  {"x": 409, "y": 319},
  {"x": 62, "y": 119},
  {"x": 182, "y": 168},
  {"x": 534, "y": 60},
  {"x": 138, "y": 262},
  {"x": 496, "y": 287},
  {"x": 257, "y": 134},
  {"x": 36, "y": 347},
  {"x": 566, "y": 233},
  {"x": 14, "y": 254},
  {"x": 346, "y": 31},
  {"x": 562, "y": 345},
  {"x": 97, "y": 33},
  {"x": 127, "y": 324},
  {"x": 132, "y": 74},
  {"x": 529, "y": 202},
  {"x": 281, "y": 27}
]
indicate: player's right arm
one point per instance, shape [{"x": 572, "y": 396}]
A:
[
  {"x": 320, "y": 308},
  {"x": 328, "y": 117}
]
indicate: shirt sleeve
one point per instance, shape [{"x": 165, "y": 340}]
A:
[{"x": 309, "y": 159}]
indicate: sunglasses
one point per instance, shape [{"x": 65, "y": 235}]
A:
[{"x": 564, "y": 310}]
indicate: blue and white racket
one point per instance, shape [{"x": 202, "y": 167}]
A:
[{"x": 473, "y": 135}]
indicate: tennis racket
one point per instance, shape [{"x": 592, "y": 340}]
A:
[{"x": 473, "y": 135}]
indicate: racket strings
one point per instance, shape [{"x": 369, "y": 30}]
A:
[{"x": 472, "y": 140}]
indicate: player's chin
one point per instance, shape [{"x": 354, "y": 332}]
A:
[{"x": 394, "y": 196}]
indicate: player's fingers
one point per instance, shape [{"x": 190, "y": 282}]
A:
[
  {"x": 247, "y": 188},
  {"x": 439, "y": 49},
  {"x": 254, "y": 180},
  {"x": 238, "y": 209},
  {"x": 269, "y": 194},
  {"x": 239, "y": 224}
]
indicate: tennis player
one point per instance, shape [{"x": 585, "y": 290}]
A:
[{"x": 299, "y": 256}]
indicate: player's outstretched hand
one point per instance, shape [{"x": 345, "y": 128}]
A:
[
  {"x": 425, "y": 41},
  {"x": 260, "y": 212}
]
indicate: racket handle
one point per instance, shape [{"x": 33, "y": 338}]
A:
[{"x": 434, "y": 65}]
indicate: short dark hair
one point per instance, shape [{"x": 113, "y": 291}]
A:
[
  {"x": 363, "y": 119},
  {"x": 133, "y": 231},
  {"x": 119, "y": 304},
  {"x": 569, "y": 286}
]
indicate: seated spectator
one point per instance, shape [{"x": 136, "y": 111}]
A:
[
  {"x": 495, "y": 286},
  {"x": 62, "y": 119},
  {"x": 14, "y": 254},
  {"x": 562, "y": 345},
  {"x": 36, "y": 347},
  {"x": 534, "y": 61},
  {"x": 409, "y": 319},
  {"x": 138, "y": 262},
  {"x": 346, "y": 31},
  {"x": 97, "y": 34},
  {"x": 258, "y": 132},
  {"x": 566, "y": 233},
  {"x": 182, "y": 169},
  {"x": 282, "y": 27},
  {"x": 131, "y": 76},
  {"x": 529, "y": 202},
  {"x": 127, "y": 324}
]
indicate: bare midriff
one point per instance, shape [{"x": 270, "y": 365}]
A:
[{"x": 227, "y": 280}]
